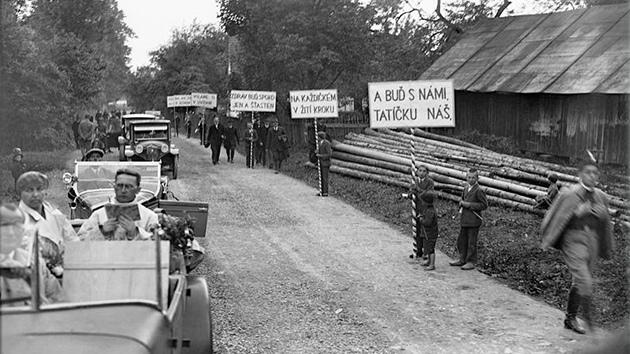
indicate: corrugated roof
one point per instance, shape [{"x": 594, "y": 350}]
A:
[{"x": 581, "y": 51}]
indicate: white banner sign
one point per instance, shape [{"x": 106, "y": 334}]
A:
[
  {"x": 155, "y": 113},
  {"x": 179, "y": 101},
  {"x": 412, "y": 104},
  {"x": 314, "y": 104},
  {"x": 207, "y": 100},
  {"x": 252, "y": 101}
]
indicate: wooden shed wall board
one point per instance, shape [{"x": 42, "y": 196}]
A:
[{"x": 560, "y": 125}]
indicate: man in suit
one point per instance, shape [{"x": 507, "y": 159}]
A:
[
  {"x": 578, "y": 224},
  {"x": 231, "y": 140},
  {"x": 275, "y": 137},
  {"x": 261, "y": 146},
  {"x": 473, "y": 201},
  {"x": 324, "y": 153},
  {"x": 216, "y": 134}
]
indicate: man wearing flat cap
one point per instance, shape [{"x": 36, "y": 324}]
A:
[
  {"x": 578, "y": 224},
  {"x": 41, "y": 216}
]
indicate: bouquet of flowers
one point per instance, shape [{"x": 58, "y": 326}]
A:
[{"x": 179, "y": 231}]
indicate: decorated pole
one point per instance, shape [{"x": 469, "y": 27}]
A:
[
  {"x": 319, "y": 166},
  {"x": 414, "y": 222},
  {"x": 251, "y": 144}
]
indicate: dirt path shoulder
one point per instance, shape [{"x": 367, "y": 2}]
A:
[{"x": 294, "y": 273}]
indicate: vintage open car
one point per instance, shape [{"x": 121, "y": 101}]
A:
[
  {"x": 121, "y": 296},
  {"x": 150, "y": 140},
  {"x": 92, "y": 185}
]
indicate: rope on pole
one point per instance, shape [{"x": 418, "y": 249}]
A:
[
  {"x": 414, "y": 226},
  {"x": 319, "y": 166}
]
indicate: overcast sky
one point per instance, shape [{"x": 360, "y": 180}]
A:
[{"x": 153, "y": 21}]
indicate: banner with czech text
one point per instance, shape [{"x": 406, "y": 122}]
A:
[
  {"x": 252, "y": 101},
  {"x": 314, "y": 104},
  {"x": 179, "y": 101},
  {"x": 207, "y": 100},
  {"x": 412, "y": 104}
]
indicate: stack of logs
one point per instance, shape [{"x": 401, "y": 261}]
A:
[{"x": 385, "y": 156}]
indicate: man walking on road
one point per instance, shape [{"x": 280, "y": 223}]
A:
[
  {"x": 216, "y": 134},
  {"x": 473, "y": 201},
  {"x": 578, "y": 224},
  {"x": 275, "y": 143},
  {"x": 324, "y": 153},
  {"x": 87, "y": 134}
]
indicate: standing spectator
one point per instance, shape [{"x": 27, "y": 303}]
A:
[
  {"x": 275, "y": 144},
  {"x": 428, "y": 222},
  {"x": 87, "y": 133},
  {"x": 545, "y": 201},
  {"x": 473, "y": 201},
  {"x": 178, "y": 121},
  {"x": 578, "y": 224},
  {"x": 261, "y": 148},
  {"x": 231, "y": 140},
  {"x": 188, "y": 125},
  {"x": 311, "y": 140},
  {"x": 324, "y": 153},
  {"x": 114, "y": 130},
  {"x": 18, "y": 166},
  {"x": 251, "y": 136},
  {"x": 75, "y": 129},
  {"x": 202, "y": 126},
  {"x": 421, "y": 185},
  {"x": 216, "y": 134}
]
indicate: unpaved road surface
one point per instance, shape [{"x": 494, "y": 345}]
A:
[{"x": 290, "y": 272}]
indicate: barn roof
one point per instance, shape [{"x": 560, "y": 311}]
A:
[{"x": 580, "y": 51}]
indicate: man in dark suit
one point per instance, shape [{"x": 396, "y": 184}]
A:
[
  {"x": 324, "y": 153},
  {"x": 275, "y": 143},
  {"x": 470, "y": 206},
  {"x": 216, "y": 134},
  {"x": 261, "y": 146}
]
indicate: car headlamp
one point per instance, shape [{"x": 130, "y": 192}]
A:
[
  {"x": 164, "y": 148},
  {"x": 139, "y": 149}
]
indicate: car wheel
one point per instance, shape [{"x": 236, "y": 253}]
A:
[
  {"x": 197, "y": 317},
  {"x": 175, "y": 163}
]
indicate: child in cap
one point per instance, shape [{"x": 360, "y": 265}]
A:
[{"x": 428, "y": 222}]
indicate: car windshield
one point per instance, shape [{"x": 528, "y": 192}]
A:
[
  {"x": 101, "y": 174},
  {"x": 150, "y": 132}
]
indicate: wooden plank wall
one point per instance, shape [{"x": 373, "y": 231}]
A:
[{"x": 559, "y": 125}]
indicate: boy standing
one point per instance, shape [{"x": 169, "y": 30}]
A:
[
  {"x": 429, "y": 224},
  {"x": 473, "y": 201}
]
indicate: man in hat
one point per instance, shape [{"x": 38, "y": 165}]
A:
[
  {"x": 94, "y": 176},
  {"x": 100, "y": 226},
  {"x": 324, "y": 153},
  {"x": 578, "y": 224},
  {"x": 231, "y": 140},
  {"x": 216, "y": 134}
]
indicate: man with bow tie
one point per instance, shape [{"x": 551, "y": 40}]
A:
[
  {"x": 473, "y": 201},
  {"x": 578, "y": 224}
]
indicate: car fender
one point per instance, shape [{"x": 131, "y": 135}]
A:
[{"x": 197, "y": 317}]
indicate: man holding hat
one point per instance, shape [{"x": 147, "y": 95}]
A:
[{"x": 578, "y": 224}]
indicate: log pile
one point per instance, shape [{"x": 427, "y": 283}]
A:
[{"x": 384, "y": 155}]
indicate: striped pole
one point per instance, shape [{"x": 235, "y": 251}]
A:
[
  {"x": 251, "y": 144},
  {"x": 414, "y": 226},
  {"x": 319, "y": 166}
]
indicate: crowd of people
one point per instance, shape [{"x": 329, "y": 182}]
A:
[{"x": 100, "y": 131}]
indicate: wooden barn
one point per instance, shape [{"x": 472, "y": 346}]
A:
[{"x": 556, "y": 83}]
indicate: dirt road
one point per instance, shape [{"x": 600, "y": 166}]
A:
[{"x": 294, "y": 273}]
